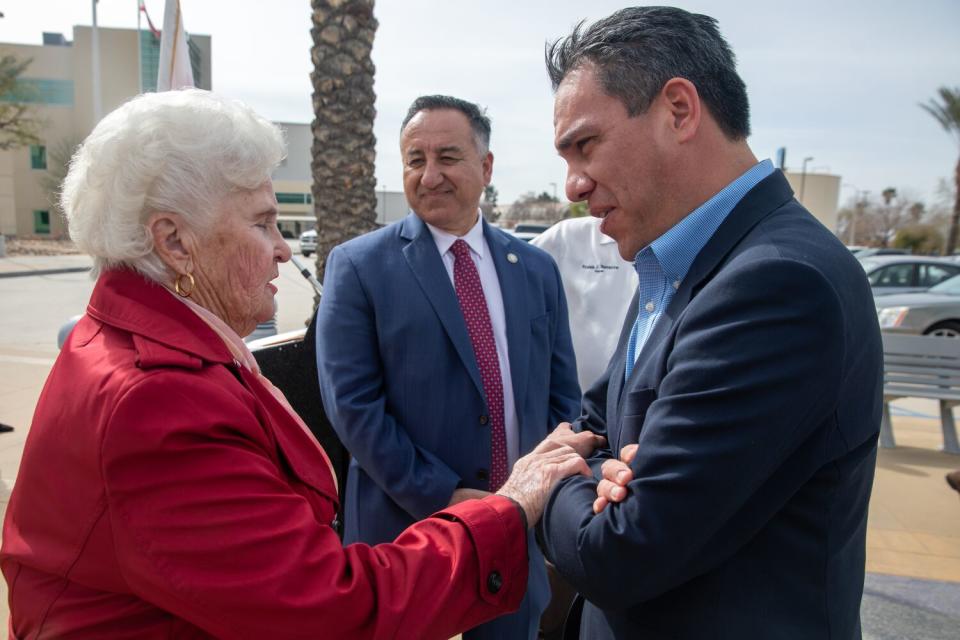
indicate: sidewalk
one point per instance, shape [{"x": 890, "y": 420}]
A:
[
  {"x": 13, "y": 266},
  {"x": 914, "y": 525}
]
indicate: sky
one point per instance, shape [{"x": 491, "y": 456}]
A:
[{"x": 837, "y": 81}]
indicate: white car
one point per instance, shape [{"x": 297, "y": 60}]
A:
[
  {"x": 906, "y": 274},
  {"x": 308, "y": 242},
  {"x": 529, "y": 231}
]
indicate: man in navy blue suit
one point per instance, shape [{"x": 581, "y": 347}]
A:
[
  {"x": 443, "y": 347},
  {"x": 742, "y": 406}
]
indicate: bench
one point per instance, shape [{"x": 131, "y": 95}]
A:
[{"x": 921, "y": 367}]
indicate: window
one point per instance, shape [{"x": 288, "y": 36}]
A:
[
  {"x": 38, "y": 156},
  {"x": 41, "y": 91},
  {"x": 41, "y": 222},
  {"x": 150, "y": 61},
  {"x": 896, "y": 275},
  {"x": 931, "y": 274},
  {"x": 294, "y": 198}
]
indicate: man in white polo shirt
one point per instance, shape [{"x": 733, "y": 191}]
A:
[{"x": 594, "y": 277}]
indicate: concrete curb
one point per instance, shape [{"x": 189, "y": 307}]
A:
[{"x": 42, "y": 272}]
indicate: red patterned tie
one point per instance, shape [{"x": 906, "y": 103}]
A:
[{"x": 474, "y": 307}]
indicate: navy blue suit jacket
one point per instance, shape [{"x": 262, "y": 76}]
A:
[
  {"x": 400, "y": 382},
  {"x": 756, "y": 404}
]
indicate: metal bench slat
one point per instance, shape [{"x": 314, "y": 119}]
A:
[
  {"x": 903, "y": 392},
  {"x": 920, "y": 345},
  {"x": 927, "y": 371},
  {"x": 903, "y": 361},
  {"x": 922, "y": 380}
]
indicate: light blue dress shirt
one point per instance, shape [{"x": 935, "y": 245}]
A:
[{"x": 663, "y": 263}]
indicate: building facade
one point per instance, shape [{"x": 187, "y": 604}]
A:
[
  {"x": 58, "y": 85},
  {"x": 293, "y": 182},
  {"x": 819, "y": 193}
]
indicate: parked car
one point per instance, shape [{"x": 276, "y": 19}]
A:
[
  {"x": 528, "y": 231},
  {"x": 905, "y": 274},
  {"x": 308, "y": 242},
  {"x": 866, "y": 252},
  {"x": 933, "y": 312}
]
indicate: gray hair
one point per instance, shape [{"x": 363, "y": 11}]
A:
[
  {"x": 477, "y": 117},
  {"x": 635, "y": 51},
  {"x": 176, "y": 151}
]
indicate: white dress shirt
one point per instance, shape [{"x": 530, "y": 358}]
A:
[{"x": 480, "y": 253}]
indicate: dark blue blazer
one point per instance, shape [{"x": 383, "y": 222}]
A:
[
  {"x": 756, "y": 403},
  {"x": 401, "y": 385}
]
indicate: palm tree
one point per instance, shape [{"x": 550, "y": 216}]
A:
[
  {"x": 345, "y": 202},
  {"x": 947, "y": 113}
]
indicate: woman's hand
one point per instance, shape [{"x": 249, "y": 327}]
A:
[
  {"x": 564, "y": 434},
  {"x": 535, "y": 474}
]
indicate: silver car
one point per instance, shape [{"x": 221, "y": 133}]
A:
[
  {"x": 308, "y": 242},
  {"x": 906, "y": 274},
  {"x": 933, "y": 312}
]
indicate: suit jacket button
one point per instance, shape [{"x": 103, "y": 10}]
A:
[
  {"x": 494, "y": 582},
  {"x": 484, "y": 419},
  {"x": 482, "y": 474}
]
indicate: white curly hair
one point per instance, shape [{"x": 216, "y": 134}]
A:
[{"x": 176, "y": 151}]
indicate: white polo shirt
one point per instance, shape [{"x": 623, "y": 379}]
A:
[{"x": 599, "y": 285}]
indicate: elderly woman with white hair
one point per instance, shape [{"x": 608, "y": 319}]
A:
[{"x": 167, "y": 489}]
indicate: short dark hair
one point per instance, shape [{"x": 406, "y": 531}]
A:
[
  {"x": 477, "y": 117},
  {"x": 635, "y": 51}
]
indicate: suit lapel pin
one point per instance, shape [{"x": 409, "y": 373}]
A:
[{"x": 512, "y": 258}]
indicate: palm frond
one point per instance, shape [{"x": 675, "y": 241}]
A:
[{"x": 947, "y": 110}]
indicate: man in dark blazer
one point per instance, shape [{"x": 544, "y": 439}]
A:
[
  {"x": 431, "y": 412},
  {"x": 742, "y": 406}
]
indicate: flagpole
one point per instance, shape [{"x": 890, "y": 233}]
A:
[
  {"x": 139, "y": 52},
  {"x": 97, "y": 107}
]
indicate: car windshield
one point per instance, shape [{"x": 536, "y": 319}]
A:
[
  {"x": 868, "y": 265},
  {"x": 531, "y": 228},
  {"x": 951, "y": 286}
]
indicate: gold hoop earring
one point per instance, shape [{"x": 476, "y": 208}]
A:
[{"x": 180, "y": 289}]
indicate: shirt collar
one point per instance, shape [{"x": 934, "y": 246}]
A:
[
  {"x": 474, "y": 238},
  {"x": 676, "y": 249}
]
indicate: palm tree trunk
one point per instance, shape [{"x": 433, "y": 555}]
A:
[
  {"x": 343, "y": 151},
  {"x": 955, "y": 218}
]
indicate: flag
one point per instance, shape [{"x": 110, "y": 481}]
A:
[
  {"x": 153, "y": 29},
  {"x": 174, "y": 71}
]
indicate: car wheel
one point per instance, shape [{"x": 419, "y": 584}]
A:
[
  {"x": 946, "y": 329},
  {"x": 306, "y": 254}
]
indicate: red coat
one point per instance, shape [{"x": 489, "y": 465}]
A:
[{"x": 165, "y": 493}]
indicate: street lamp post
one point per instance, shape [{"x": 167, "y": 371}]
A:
[
  {"x": 803, "y": 176},
  {"x": 852, "y": 228},
  {"x": 859, "y": 204},
  {"x": 95, "y": 48},
  {"x": 555, "y": 205}
]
